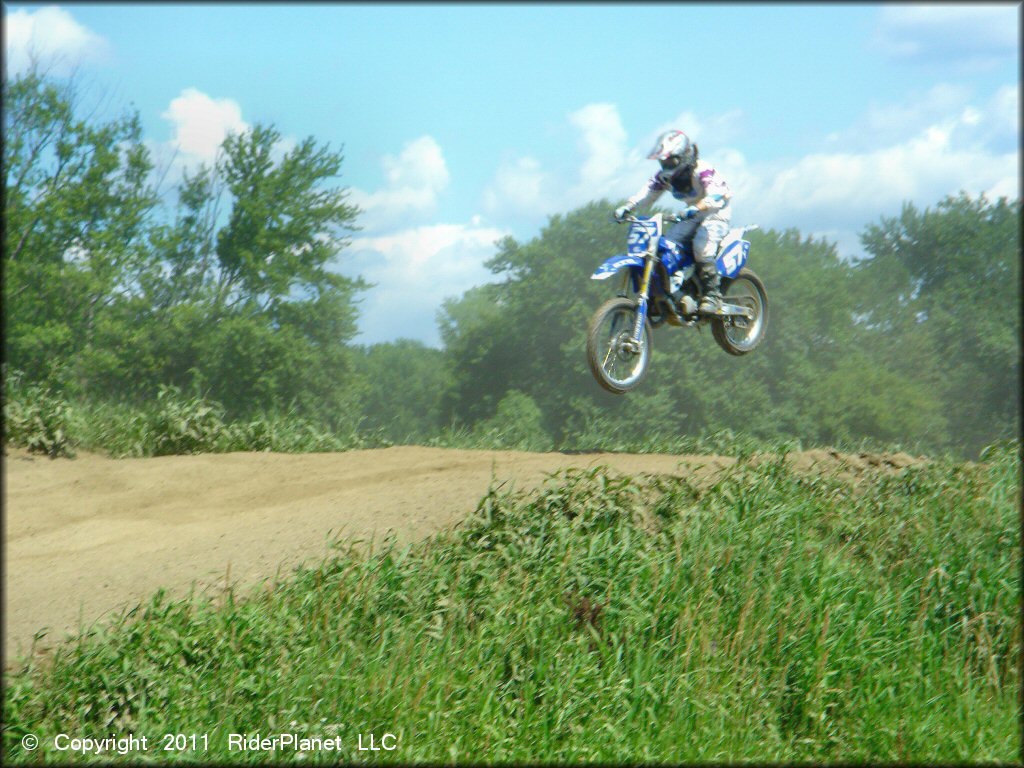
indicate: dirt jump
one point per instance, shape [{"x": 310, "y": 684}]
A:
[{"x": 86, "y": 538}]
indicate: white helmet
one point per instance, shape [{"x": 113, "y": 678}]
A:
[{"x": 673, "y": 150}]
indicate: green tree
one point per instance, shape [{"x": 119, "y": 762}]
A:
[
  {"x": 248, "y": 309},
  {"x": 819, "y": 375},
  {"x": 402, "y": 385},
  {"x": 517, "y": 423},
  {"x": 941, "y": 299},
  {"x": 527, "y": 331},
  {"x": 77, "y": 205},
  {"x": 479, "y": 354},
  {"x": 819, "y": 372},
  {"x": 232, "y": 295},
  {"x": 284, "y": 226}
]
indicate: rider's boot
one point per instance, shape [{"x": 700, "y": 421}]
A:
[{"x": 712, "y": 299}]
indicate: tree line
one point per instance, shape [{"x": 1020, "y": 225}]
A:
[{"x": 227, "y": 293}]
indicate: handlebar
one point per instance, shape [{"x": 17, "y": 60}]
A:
[
  {"x": 631, "y": 219},
  {"x": 627, "y": 219}
]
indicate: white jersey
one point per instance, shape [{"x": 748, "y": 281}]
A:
[{"x": 708, "y": 186}]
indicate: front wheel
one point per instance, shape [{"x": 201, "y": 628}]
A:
[
  {"x": 616, "y": 361},
  {"x": 740, "y": 335}
]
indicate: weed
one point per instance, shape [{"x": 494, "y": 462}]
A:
[{"x": 37, "y": 419}]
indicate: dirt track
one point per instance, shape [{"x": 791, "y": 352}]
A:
[{"x": 90, "y": 536}]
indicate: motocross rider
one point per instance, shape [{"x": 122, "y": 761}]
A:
[{"x": 704, "y": 221}]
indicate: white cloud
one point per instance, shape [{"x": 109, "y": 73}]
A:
[
  {"x": 999, "y": 126},
  {"x": 414, "y": 271},
  {"x": 201, "y": 123},
  {"x": 608, "y": 164},
  {"x": 720, "y": 128},
  {"x": 994, "y": 123},
  {"x": 602, "y": 142},
  {"x": 520, "y": 188},
  {"x": 931, "y": 145},
  {"x": 974, "y": 35},
  {"x": 414, "y": 181},
  {"x": 420, "y": 165},
  {"x": 53, "y": 38},
  {"x": 839, "y": 193},
  {"x": 413, "y": 265},
  {"x": 893, "y": 122}
]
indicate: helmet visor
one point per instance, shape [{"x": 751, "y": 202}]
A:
[{"x": 670, "y": 163}]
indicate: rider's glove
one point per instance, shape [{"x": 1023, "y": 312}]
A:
[
  {"x": 620, "y": 213},
  {"x": 689, "y": 212}
]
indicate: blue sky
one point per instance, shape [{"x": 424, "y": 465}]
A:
[{"x": 464, "y": 123}]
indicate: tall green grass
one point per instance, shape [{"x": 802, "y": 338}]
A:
[
  {"x": 172, "y": 424},
  {"x": 35, "y": 418},
  {"x": 769, "y": 617},
  {"x": 175, "y": 423}
]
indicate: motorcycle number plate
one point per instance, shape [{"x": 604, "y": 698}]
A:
[{"x": 640, "y": 234}]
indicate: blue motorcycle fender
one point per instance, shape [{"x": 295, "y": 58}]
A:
[{"x": 617, "y": 264}]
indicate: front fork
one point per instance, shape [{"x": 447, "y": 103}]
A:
[{"x": 641, "y": 301}]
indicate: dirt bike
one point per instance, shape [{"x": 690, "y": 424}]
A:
[{"x": 662, "y": 276}]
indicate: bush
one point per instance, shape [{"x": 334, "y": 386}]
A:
[
  {"x": 180, "y": 425},
  {"x": 517, "y": 423},
  {"x": 286, "y": 433},
  {"x": 175, "y": 424},
  {"x": 37, "y": 419}
]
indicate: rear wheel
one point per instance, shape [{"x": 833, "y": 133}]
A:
[
  {"x": 740, "y": 335},
  {"x": 617, "y": 362}
]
